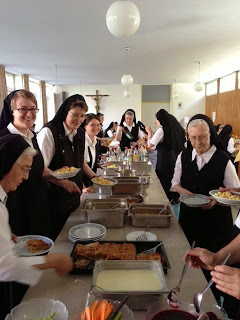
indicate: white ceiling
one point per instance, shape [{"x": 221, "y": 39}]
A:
[{"x": 173, "y": 34}]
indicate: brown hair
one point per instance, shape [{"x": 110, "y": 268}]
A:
[
  {"x": 24, "y": 94},
  {"x": 80, "y": 104}
]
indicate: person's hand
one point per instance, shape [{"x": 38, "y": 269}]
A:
[
  {"x": 229, "y": 189},
  {"x": 227, "y": 279},
  {"x": 120, "y": 128},
  {"x": 60, "y": 262},
  {"x": 14, "y": 238},
  {"x": 88, "y": 190},
  {"x": 70, "y": 186},
  {"x": 201, "y": 258},
  {"x": 210, "y": 204},
  {"x": 148, "y": 129},
  {"x": 186, "y": 192}
]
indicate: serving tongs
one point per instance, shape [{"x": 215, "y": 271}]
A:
[{"x": 117, "y": 309}]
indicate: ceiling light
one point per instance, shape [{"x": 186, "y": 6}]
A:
[
  {"x": 123, "y": 19},
  {"x": 57, "y": 89},
  {"x": 198, "y": 86},
  {"x": 127, "y": 93},
  {"x": 127, "y": 80}
]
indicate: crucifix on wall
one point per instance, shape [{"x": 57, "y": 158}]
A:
[{"x": 97, "y": 97}]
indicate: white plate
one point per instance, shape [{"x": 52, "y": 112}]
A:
[
  {"x": 105, "y": 185},
  {"x": 223, "y": 200},
  {"x": 105, "y": 167},
  {"x": 66, "y": 174},
  {"x": 21, "y": 249},
  {"x": 133, "y": 235},
  {"x": 93, "y": 240},
  {"x": 87, "y": 231},
  {"x": 195, "y": 201}
]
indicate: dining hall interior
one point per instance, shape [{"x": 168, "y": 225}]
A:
[{"x": 182, "y": 57}]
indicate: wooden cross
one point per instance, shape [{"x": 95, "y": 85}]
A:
[{"x": 97, "y": 97}]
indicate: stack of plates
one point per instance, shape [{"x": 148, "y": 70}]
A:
[{"x": 87, "y": 232}]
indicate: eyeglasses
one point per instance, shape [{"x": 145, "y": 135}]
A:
[
  {"x": 77, "y": 116},
  {"x": 24, "y": 169},
  {"x": 200, "y": 138},
  {"x": 25, "y": 110},
  {"x": 95, "y": 125}
]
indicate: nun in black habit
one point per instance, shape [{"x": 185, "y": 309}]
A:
[
  {"x": 28, "y": 205},
  {"x": 62, "y": 143}
]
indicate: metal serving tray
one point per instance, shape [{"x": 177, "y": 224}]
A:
[
  {"x": 141, "y": 167},
  {"x": 131, "y": 185},
  {"x": 108, "y": 212},
  {"x": 130, "y": 199},
  {"x": 137, "y": 300},
  {"x": 139, "y": 245},
  {"x": 156, "y": 221}
]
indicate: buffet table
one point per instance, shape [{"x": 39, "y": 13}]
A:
[{"x": 73, "y": 293}]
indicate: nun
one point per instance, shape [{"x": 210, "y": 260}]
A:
[
  {"x": 128, "y": 132},
  {"x": 28, "y": 206},
  {"x": 16, "y": 159},
  {"x": 62, "y": 143}
]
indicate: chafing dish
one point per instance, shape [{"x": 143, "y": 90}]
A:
[
  {"x": 130, "y": 199},
  {"x": 145, "y": 214},
  {"x": 140, "y": 290},
  {"x": 108, "y": 212}
]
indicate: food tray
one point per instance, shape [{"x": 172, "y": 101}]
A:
[
  {"x": 127, "y": 187},
  {"x": 101, "y": 211},
  {"x": 140, "y": 247},
  {"x": 150, "y": 280},
  {"x": 157, "y": 221},
  {"x": 130, "y": 199}
]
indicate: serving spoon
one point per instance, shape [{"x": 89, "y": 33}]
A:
[
  {"x": 172, "y": 295},
  {"x": 197, "y": 298}
]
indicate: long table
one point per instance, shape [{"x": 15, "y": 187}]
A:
[{"x": 73, "y": 293}]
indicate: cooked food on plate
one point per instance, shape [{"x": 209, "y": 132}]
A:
[
  {"x": 102, "y": 181},
  {"x": 37, "y": 245},
  {"x": 110, "y": 251},
  {"x": 227, "y": 195},
  {"x": 66, "y": 169},
  {"x": 112, "y": 166}
]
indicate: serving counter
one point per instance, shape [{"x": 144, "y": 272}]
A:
[{"x": 72, "y": 289}]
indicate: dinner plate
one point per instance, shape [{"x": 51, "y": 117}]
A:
[
  {"x": 195, "y": 201},
  {"x": 105, "y": 185},
  {"x": 105, "y": 166},
  {"x": 93, "y": 239},
  {"x": 65, "y": 175},
  {"x": 21, "y": 249},
  {"x": 87, "y": 231},
  {"x": 132, "y": 236},
  {"x": 223, "y": 200}
]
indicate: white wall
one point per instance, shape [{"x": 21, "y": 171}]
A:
[
  {"x": 115, "y": 104},
  {"x": 112, "y": 106},
  {"x": 192, "y": 102}
]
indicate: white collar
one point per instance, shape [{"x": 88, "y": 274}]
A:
[
  {"x": 3, "y": 195},
  {"x": 207, "y": 155},
  {"x": 67, "y": 132},
  {"x": 89, "y": 141},
  {"x": 133, "y": 125},
  {"x": 14, "y": 130}
]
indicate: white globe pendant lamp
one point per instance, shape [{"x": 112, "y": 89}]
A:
[
  {"x": 126, "y": 80},
  {"x": 198, "y": 86},
  {"x": 57, "y": 89},
  {"x": 123, "y": 19},
  {"x": 127, "y": 93}
]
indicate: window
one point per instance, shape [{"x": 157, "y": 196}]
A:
[
  {"x": 227, "y": 83},
  {"x": 34, "y": 87},
  {"x": 10, "y": 82},
  {"x": 14, "y": 82},
  {"x": 211, "y": 88},
  {"x": 50, "y": 102}
]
